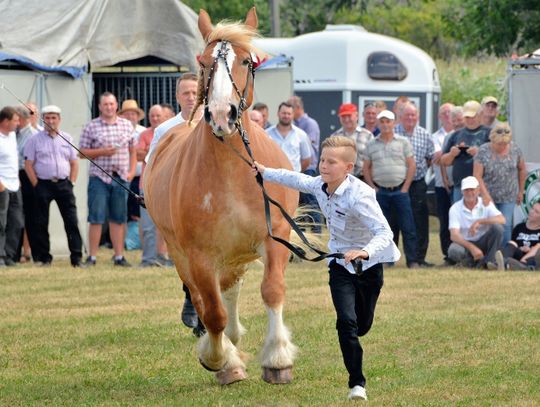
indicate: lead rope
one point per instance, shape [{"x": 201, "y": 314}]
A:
[{"x": 139, "y": 198}]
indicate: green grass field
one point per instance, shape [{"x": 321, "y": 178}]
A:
[{"x": 112, "y": 337}]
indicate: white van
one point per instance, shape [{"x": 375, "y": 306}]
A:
[{"x": 346, "y": 63}]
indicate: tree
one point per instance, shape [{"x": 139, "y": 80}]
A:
[
  {"x": 499, "y": 27},
  {"x": 233, "y": 10}
]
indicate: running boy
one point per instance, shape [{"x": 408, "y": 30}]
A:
[{"x": 358, "y": 229}]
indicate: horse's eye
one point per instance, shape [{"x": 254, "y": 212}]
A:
[
  {"x": 246, "y": 62},
  {"x": 202, "y": 65}
]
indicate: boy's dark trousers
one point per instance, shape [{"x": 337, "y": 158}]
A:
[{"x": 354, "y": 299}]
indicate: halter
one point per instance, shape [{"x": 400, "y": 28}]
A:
[{"x": 242, "y": 105}]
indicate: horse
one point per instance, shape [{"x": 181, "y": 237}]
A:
[{"x": 207, "y": 204}]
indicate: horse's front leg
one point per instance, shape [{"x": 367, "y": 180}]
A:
[
  {"x": 278, "y": 352},
  {"x": 215, "y": 350}
]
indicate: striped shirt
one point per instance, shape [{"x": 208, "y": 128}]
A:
[
  {"x": 353, "y": 216},
  {"x": 423, "y": 149},
  {"x": 389, "y": 160},
  {"x": 99, "y": 134}
]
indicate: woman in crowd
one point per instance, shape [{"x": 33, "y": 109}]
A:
[{"x": 500, "y": 168}]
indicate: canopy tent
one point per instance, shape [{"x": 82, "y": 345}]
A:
[{"x": 69, "y": 35}]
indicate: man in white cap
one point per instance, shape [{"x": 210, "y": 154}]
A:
[
  {"x": 490, "y": 110},
  {"x": 52, "y": 166},
  {"x": 462, "y": 145},
  {"x": 389, "y": 168},
  {"x": 476, "y": 229}
]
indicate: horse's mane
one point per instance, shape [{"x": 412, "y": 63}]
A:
[{"x": 238, "y": 34}]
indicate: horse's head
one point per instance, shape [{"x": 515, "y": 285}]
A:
[{"x": 226, "y": 71}]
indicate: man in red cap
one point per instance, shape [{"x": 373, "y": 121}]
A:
[{"x": 348, "y": 117}]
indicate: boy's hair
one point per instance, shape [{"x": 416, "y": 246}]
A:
[{"x": 342, "y": 141}]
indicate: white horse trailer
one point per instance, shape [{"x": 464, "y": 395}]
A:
[
  {"x": 523, "y": 91},
  {"x": 345, "y": 64}
]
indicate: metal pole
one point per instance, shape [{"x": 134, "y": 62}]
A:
[{"x": 274, "y": 16}]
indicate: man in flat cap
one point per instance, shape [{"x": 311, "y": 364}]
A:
[{"x": 52, "y": 166}]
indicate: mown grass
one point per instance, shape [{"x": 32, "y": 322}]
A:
[{"x": 112, "y": 337}]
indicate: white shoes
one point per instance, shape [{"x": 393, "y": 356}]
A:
[{"x": 358, "y": 393}]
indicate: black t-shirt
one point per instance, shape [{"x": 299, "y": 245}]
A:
[
  {"x": 463, "y": 163},
  {"x": 524, "y": 236}
]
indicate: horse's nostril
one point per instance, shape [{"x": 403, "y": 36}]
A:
[
  {"x": 233, "y": 114},
  {"x": 207, "y": 114}
]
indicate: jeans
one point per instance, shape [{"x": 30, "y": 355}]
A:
[
  {"x": 507, "y": 209},
  {"x": 149, "y": 249},
  {"x": 354, "y": 297},
  {"x": 456, "y": 194},
  {"x": 107, "y": 201},
  {"x": 401, "y": 202},
  {"x": 418, "y": 195},
  {"x": 489, "y": 243},
  {"x": 309, "y": 201},
  {"x": 443, "y": 207},
  {"x": 11, "y": 223}
]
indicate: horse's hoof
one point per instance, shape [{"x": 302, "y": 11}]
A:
[
  {"x": 228, "y": 376},
  {"x": 277, "y": 376},
  {"x": 207, "y": 368}
]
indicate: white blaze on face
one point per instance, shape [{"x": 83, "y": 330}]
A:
[
  {"x": 222, "y": 88},
  {"x": 207, "y": 202}
]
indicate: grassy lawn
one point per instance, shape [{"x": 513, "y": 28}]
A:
[{"x": 104, "y": 336}]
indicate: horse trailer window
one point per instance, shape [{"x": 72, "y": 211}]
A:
[{"x": 386, "y": 66}]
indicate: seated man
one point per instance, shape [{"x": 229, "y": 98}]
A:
[
  {"x": 522, "y": 252},
  {"x": 476, "y": 230}
]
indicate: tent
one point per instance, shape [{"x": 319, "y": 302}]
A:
[
  {"x": 70, "y": 35},
  {"x": 49, "y": 48}
]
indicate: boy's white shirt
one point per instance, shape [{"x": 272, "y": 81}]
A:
[{"x": 353, "y": 216}]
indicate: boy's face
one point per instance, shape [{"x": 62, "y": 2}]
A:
[{"x": 333, "y": 165}]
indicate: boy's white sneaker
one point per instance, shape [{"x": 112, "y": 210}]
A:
[{"x": 358, "y": 393}]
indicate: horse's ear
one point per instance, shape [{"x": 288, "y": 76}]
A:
[
  {"x": 205, "y": 24},
  {"x": 251, "y": 18}
]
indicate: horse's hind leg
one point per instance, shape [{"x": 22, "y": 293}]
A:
[
  {"x": 216, "y": 351},
  {"x": 278, "y": 352}
]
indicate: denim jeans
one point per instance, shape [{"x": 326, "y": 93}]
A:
[
  {"x": 456, "y": 194},
  {"x": 507, "y": 209},
  {"x": 354, "y": 297},
  {"x": 309, "y": 201},
  {"x": 401, "y": 203},
  {"x": 418, "y": 195},
  {"x": 443, "y": 207},
  {"x": 11, "y": 223},
  {"x": 149, "y": 249}
]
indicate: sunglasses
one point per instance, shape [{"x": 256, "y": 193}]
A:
[
  {"x": 503, "y": 131},
  {"x": 370, "y": 104}
]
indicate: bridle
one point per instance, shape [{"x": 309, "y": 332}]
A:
[
  {"x": 222, "y": 54},
  {"x": 236, "y": 112}
]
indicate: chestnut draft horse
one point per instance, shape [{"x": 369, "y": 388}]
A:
[{"x": 207, "y": 204}]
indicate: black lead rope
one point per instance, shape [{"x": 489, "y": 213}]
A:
[
  {"x": 356, "y": 263},
  {"x": 139, "y": 198}
]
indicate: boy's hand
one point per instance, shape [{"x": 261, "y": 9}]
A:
[
  {"x": 355, "y": 254},
  {"x": 258, "y": 168}
]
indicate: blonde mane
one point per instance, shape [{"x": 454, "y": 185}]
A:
[{"x": 236, "y": 33}]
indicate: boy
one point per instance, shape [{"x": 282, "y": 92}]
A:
[{"x": 359, "y": 230}]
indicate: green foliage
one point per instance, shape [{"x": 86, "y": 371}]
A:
[
  {"x": 498, "y": 27},
  {"x": 473, "y": 78},
  {"x": 418, "y": 22},
  {"x": 233, "y": 10}
]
